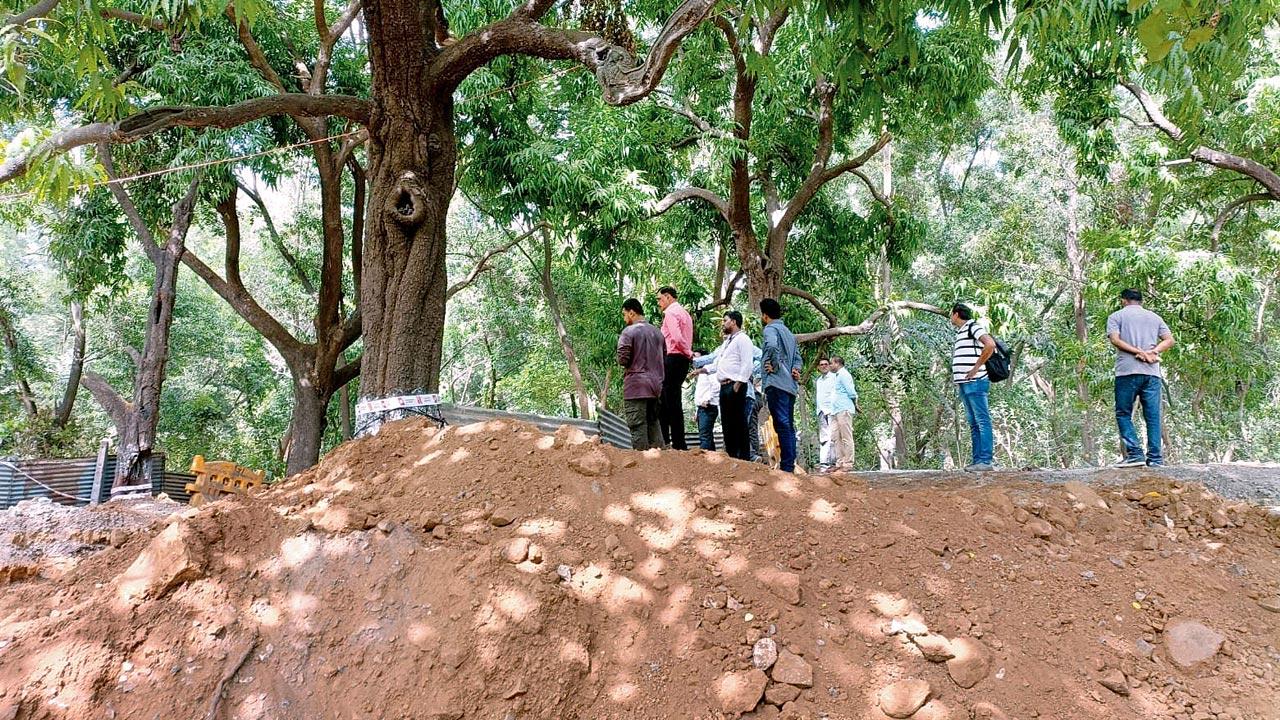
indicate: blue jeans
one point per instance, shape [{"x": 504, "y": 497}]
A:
[
  {"x": 974, "y": 396},
  {"x": 1146, "y": 388},
  {"x": 781, "y": 403},
  {"x": 707, "y": 426}
]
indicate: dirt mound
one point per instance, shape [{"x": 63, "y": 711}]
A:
[{"x": 489, "y": 571}]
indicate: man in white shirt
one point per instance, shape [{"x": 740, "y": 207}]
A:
[
  {"x": 733, "y": 371},
  {"x": 824, "y": 386},
  {"x": 706, "y": 397}
]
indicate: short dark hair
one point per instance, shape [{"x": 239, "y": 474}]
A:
[
  {"x": 1131, "y": 294},
  {"x": 634, "y": 306},
  {"x": 837, "y": 358},
  {"x": 735, "y": 316},
  {"x": 668, "y": 290},
  {"x": 699, "y": 351},
  {"x": 962, "y": 310},
  {"x": 771, "y": 308},
  {"x": 822, "y": 360}
]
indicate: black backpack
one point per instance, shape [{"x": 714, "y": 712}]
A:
[{"x": 998, "y": 364}]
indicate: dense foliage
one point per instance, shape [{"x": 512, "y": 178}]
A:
[{"x": 1031, "y": 160}]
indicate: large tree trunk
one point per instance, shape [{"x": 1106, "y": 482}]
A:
[
  {"x": 403, "y": 291},
  {"x": 307, "y": 425}
]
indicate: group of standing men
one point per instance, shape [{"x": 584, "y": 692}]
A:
[{"x": 657, "y": 362}]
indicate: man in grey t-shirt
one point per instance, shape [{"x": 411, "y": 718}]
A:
[{"x": 1139, "y": 336}]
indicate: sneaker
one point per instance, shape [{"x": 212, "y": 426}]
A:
[
  {"x": 979, "y": 467},
  {"x": 1131, "y": 463},
  {"x": 1155, "y": 464}
]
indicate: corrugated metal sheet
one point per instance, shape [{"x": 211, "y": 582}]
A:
[
  {"x": 613, "y": 430},
  {"x": 465, "y": 415},
  {"x": 69, "y": 481}
]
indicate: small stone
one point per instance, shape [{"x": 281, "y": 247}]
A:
[
  {"x": 1144, "y": 648},
  {"x": 611, "y": 542},
  {"x": 987, "y": 711},
  {"x": 903, "y": 698},
  {"x": 1219, "y": 519},
  {"x": 1039, "y": 528},
  {"x": 1189, "y": 643},
  {"x": 440, "y": 532},
  {"x": 1150, "y": 542},
  {"x": 430, "y": 519},
  {"x": 594, "y": 463},
  {"x": 764, "y": 654},
  {"x": 1116, "y": 682},
  {"x": 792, "y": 670},
  {"x": 503, "y": 516},
  {"x": 971, "y": 663},
  {"x": 174, "y": 557},
  {"x": 935, "y": 648},
  {"x": 1271, "y": 604},
  {"x": 385, "y": 526},
  {"x": 565, "y": 572},
  {"x": 740, "y": 692},
  {"x": 535, "y": 553},
  {"x": 517, "y": 550},
  {"x": 780, "y": 694},
  {"x": 785, "y": 585}
]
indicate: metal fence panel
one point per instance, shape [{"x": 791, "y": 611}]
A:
[
  {"x": 613, "y": 429},
  {"x": 465, "y": 415}
]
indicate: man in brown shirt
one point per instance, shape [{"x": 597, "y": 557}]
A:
[{"x": 640, "y": 351}]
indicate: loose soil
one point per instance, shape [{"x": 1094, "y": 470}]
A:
[{"x": 490, "y": 571}]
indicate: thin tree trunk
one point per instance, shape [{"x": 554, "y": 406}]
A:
[
  {"x": 1076, "y": 266},
  {"x": 893, "y": 334},
  {"x": 566, "y": 343},
  {"x": 10, "y": 336},
  {"x": 307, "y": 426},
  {"x": 62, "y": 415}
]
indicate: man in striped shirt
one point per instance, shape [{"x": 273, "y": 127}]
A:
[{"x": 973, "y": 346}]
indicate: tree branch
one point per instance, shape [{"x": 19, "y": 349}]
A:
[
  {"x": 351, "y": 329},
  {"x": 622, "y": 79},
  {"x": 133, "y": 18},
  {"x": 1230, "y": 210},
  {"x": 879, "y": 196},
  {"x": 820, "y": 174},
  {"x": 693, "y": 193},
  {"x": 140, "y": 229},
  {"x": 482, "y": 265},
  {"x": 1250, "y": 168},
  {"x": 866, "y": 326},
  {"x": 154, "y": 120},
  {"x": 1152, "y": 109},
  {"x": 116, "y": 407},
  {"x": 832, "y": 320},
  {"x": 257, "y": 58},
  {"x": 290, "y": 259},
  {"x": 347, "y": 373},
  {"x": 39, "y": 10},
  {"x": 729, "y": 290}
]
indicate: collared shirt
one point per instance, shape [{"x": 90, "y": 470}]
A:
[
  {"x": 677, "y": 330},
  {"x": 734, "y": 362},
  {"x": 707, "y": 360},
  {"x": 640, "y": 352},
  {"x": 707, "y": 390},
  {"x": 844, "y": 395},
  {"x": 780, "y": 353},
  {"x": 824, "y": 393},
  {"x": 968, "y": 348}
]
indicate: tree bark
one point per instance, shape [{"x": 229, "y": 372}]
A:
[
  {"x": 1076, "y": 267},
  {"x": 136, "y": 421},
  {"x": 10, "y": 335},
  {"x": 62, "y": 415},
  {"x": 566, "y": 343}
]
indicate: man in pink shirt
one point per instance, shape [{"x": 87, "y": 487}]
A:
[{"x": 677, "y": 330}]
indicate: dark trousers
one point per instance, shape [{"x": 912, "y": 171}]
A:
[
  {"x": 1144, "y": 388},
  {"x": 753, "y": 427},
  {"x": 642, "y": 419},
  {"x": 781, "y": 404},
  {"x": 733, "y": 420},
  {"x": 707, "y": 426},
  {"x": 675, "y": 368}
]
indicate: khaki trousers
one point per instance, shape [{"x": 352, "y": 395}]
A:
[{"x": 842, "y": 438}]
